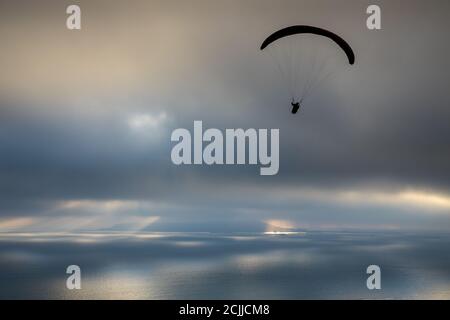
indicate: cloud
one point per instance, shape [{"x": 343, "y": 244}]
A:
[
  {"x": 15, "y": 223},
  {"x": 86, "y": 117},
  {"x": 146, "y": 121}
]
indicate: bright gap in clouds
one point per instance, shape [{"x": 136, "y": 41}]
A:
[
  {"x": 146, "y": 121},
  {"x": 426, "y": 201},
  {"x": 86, "y": 215}
]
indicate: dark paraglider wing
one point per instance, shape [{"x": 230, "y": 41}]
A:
[
  {"x": 306, "y": 57},
  {"x": 301, "y": 29}
]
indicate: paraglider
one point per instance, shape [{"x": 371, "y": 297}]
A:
[{"x": 304, "y": 60}]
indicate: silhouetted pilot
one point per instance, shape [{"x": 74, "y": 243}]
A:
[{"x": 295, "y": 106}]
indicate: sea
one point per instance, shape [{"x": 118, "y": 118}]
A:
[{"x": 277, "y": 265}]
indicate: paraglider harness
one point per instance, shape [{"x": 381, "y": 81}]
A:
[{"x": 295, "y": 106}]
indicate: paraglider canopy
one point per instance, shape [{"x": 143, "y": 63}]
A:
[
  {"x": 289, "y": 31},
  {"x": 306, "y": 56}
]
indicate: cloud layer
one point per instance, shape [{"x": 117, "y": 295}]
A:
[{"x": 86, "y": 117}]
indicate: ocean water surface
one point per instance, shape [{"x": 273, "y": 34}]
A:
[{"x": 309, "y": 265}]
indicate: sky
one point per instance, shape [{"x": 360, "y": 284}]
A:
[{"x": 86, "y": 118}]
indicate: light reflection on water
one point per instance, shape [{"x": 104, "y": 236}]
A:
[{"x": 225, "y": 266}]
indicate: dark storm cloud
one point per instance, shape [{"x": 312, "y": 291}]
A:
[{"x": 66, "y": 119}]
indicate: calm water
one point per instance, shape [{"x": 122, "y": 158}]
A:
[{"x": 225, "y": 266}]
